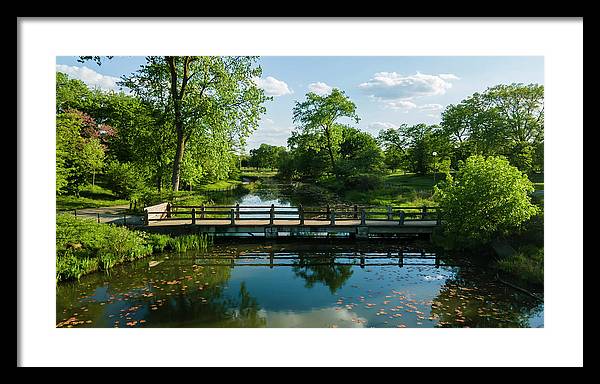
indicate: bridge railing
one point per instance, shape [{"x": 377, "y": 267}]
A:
[{"x": 328, "y": 214}]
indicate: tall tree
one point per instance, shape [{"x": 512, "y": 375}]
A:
[
  {"x": 201, "y": 95},
  {"x": 320, "y": 113}
]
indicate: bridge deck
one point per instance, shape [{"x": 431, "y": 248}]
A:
[{"x": 293, "y": 222}]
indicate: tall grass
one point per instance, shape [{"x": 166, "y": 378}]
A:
[
  {"x": 84, "y": 246},
  {"x": 527, "y": 264},
  {"x": 197, "y": 242}
]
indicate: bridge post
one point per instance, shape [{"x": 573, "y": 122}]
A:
[
  {"x": 232, "y": 216},
  {"x": 202, "y": 212},
  {"x": 98, "y": 217},
  {"x": 237, "y": 211},
  {"x": 362, "y": 260},
  {"x": 423, "y": 212},
  {"x": 400, "y": 259},
  {"x": 193, "y": 216},
  {"x": 402, "y": 214},
  {"x": 355, "y": 211},
  {"x": 363, "y": 217},
  {"x": 328, "y": 210},
  {"x": 301, "y": 214},
  {"x": 389, "y": 213},
  {"x": 168, "y": 210},
  {"x": 146, "y": 218},
  {"x": 332, "y": 218},
  {"x": 437, "y": 260},
  {"x": 272, "y": 214}
]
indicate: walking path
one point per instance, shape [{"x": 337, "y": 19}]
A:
[{"x": 115, "y": 214}]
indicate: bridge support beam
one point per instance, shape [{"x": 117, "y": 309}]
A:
[
  {"x": 271, "y": 232},
  {"x": 362, "y": 232}
]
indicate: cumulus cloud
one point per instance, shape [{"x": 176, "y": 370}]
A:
[
  {"x": 401, "y": 104},
  {"x": 378, "y": 125},
  {"x": 272, "y": 86},
  {"x": 270, "y": 133},
  {"x": 320, "y": 88},
  {"x": 90, "y": 77},
  {"x": 394, "y": 86},
  {"x": 448, "y": 76},
  {"x": 430, "y": 107}
]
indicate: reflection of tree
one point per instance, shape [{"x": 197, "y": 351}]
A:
[
  {"x": 322, "y": 269},
  {"x": 247, "y": 313},
  {"x": 473, "y": 299},
  {"x": 172, "y": 294}
]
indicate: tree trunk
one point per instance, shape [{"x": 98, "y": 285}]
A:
[
  {"x": 178, "y": 160},
  {"x": 329, "y": 149}
]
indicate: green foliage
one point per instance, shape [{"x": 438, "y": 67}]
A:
[
  {"x": 505, "y": 120},
  {"x": 78, "y": 158},
  {"x": 487, "y": 198},
  {"x": 266, "y": 156},
  {"x": 318, "y": 116},
  {"x": 359, "y": 154},
  {"x": 84, "y": 246},
  {"x": 190, "y": 242},
  {"x": 126, "y": 180},
  {"x": 527, "y": 264}
]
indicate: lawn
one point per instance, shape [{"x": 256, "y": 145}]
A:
[
  {"x": 89, "y": 197},
  {"x": 397, "y": 189}
]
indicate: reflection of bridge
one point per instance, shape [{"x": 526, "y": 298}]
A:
[
  {"x": 313, "y": 259},
  {"x": 273, "y": 221}
]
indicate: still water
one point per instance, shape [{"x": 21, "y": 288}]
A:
[
  {"x": 297, "y": 283},
  {"x": 325, "y": 283}
]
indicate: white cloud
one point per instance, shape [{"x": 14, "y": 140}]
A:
[
  {"x": 270, "y": 133},
  {"x": 401, "y": 104},
  {"x": 378, "y": 125},
  {"x": 90, "y": 77},
  {"x": 448, "y": 76},
  {"x": 272, "y": 86},
  {"x": 392, "y": 85},
  {"x": 431, "y": 107},
  {"x": 320, "y": 88}
]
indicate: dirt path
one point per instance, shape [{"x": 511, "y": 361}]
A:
[{"x": 115, "y": 214}]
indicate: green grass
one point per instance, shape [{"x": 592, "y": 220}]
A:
[
  {"x": 89, "y": 197},
  {"x": 254, "y": 174},
  {"x": 84, "y": 246},
  {"x": 397, "y": 189},
  {"x": 527, "y": 264},
  {"x": 538, "y": 181}
]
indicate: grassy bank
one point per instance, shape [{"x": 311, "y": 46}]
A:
[
  {"x": 392, "y": 189},
  {"x": 525, "y": 265},
  {"x": 83, "y": 246},
  {"x": 89, "y": 197}
]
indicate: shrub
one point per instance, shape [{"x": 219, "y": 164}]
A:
[{"x": 488, "y": 198}]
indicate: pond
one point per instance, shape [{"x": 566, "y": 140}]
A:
[
  {"x": 325, "y": 283},
  {"x": 291, "y": 283}
]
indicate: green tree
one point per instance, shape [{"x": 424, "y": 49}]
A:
[
  {"x": 359, "y": 153},
  {"x": 78, "y": 155},
  {"x": 487, "y": 198},
  {"x": 505, "y": 120},
  {"x": 320, "y": 114},
  {"x": 266, "y": 156}
]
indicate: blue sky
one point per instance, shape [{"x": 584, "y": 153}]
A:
[{"x": 387, "y": 90}]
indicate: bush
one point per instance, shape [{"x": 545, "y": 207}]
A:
[
  {"x": 527, "y": 264},
  {"x": 363, "y": 182},
  {"x": 488, "y": 198},
  {"x": 126, "y": 181},
  {"x": 84, "y": 246}
]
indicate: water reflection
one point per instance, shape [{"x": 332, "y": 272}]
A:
[{"x": 317, "y": 284}]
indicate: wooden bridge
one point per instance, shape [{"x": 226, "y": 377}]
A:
[{"x": 273, "y": 221}]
